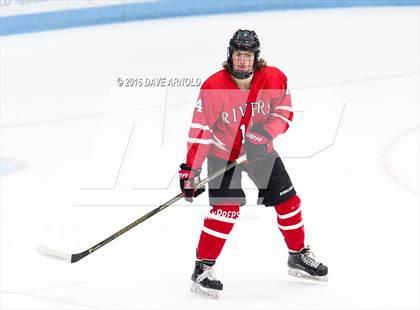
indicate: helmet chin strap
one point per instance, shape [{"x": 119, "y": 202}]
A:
[{"x": 241, "y": 75}]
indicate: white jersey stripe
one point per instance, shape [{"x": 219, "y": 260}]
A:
[
  {"x": 199, "y": 126},
  {"x": 206, "y": 141},
  {"x": 214, "y": 233},
  {"x": 199, "y": 141},
  {"x": 288, "y": 215},
  {"x": 280, "y": 116},
  {"x": 285, "y": 108},
  {"x": 218, "y": 140},
  {"x": 291, "y": 227},
  {"x": 220, "y": 146}
]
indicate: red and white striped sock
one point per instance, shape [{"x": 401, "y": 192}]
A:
[
  {"x": 217, "y": 226},
  {"x": 289, "y": 219}
]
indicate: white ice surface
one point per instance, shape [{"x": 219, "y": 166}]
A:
[{"x": 85, "y": 157}]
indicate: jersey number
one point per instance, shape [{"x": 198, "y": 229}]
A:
[
  {"x": 242, "y": 127},
  {"x": 199, "y": 105}
]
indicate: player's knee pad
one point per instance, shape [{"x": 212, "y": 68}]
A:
[{"x": 290, "y": 205}]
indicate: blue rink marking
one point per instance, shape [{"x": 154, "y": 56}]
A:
[
  {"x": 9, "y": 166},
  {"x": 71, "y": 18}
]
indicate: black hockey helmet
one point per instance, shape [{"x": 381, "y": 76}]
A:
[{"x": 243, "y": 40}]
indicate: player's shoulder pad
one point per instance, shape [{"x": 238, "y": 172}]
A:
[
  {"x": 215, "y": 80},
  {"x": 275, "y": 72}
]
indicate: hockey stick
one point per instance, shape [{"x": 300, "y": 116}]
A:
[{"x": 73, "y": 258}]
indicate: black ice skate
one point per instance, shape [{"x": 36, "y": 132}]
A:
[
  {"x": 303, "y": 265},
  {"x": 204, "y": 279}
]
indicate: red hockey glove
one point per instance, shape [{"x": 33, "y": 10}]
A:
[
  {"x": 188, "y": 179},
  {"x": 257, "y": 143}
]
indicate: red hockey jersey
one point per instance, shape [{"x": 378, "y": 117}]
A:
[{"x": 223, "y": 113}]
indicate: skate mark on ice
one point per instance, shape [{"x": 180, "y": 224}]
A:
[
  {"x": 387, "y": 166},
  {"x": 35, "y": 294}
]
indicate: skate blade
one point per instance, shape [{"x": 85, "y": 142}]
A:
[
  {"x": 203, "y": 291},
  {"x": 303, "y": 275}
]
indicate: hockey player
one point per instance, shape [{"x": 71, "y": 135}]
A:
[{"x": 240, "y": 110}]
